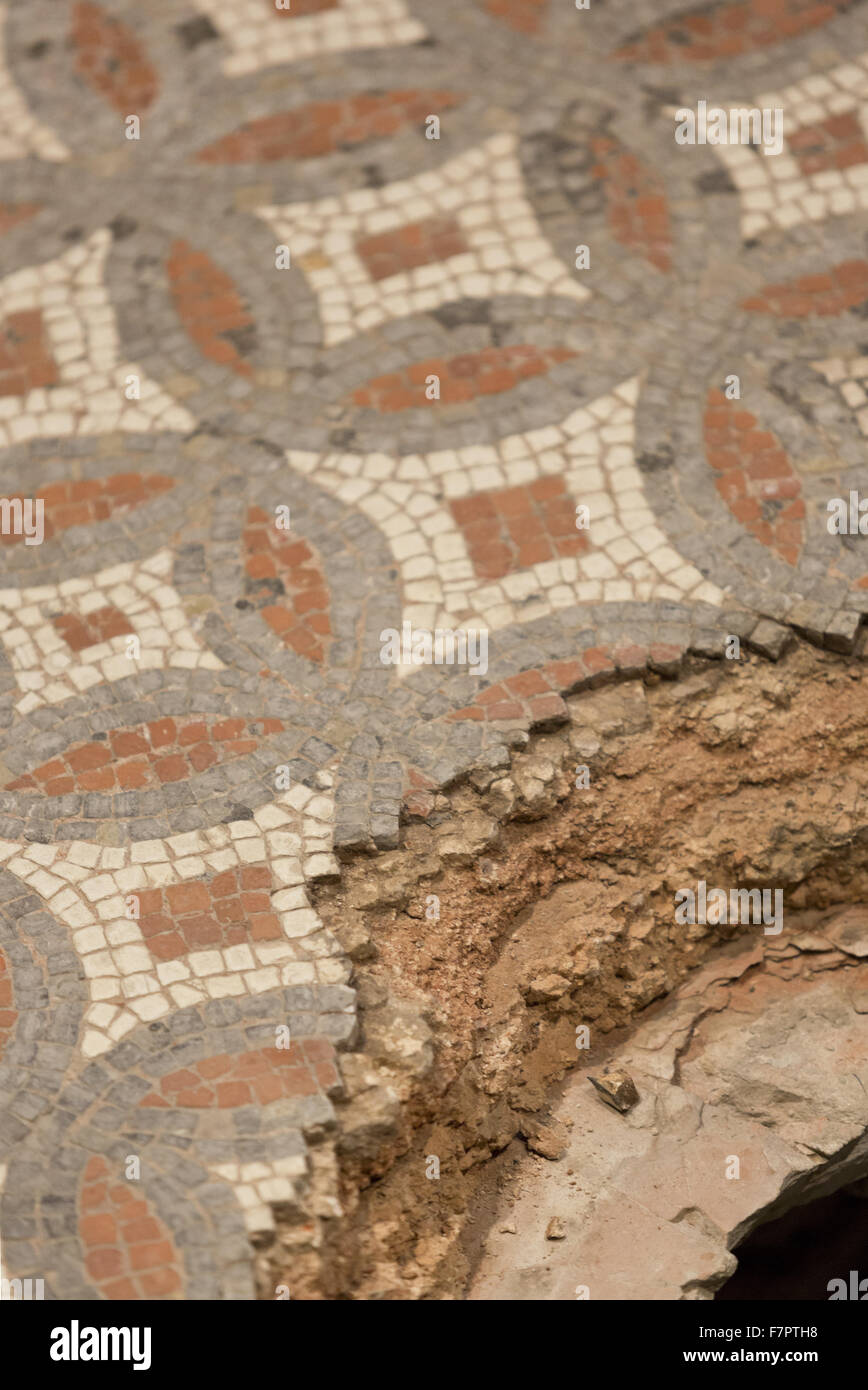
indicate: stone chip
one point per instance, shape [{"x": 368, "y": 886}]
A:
[{"x": 617, "y": 1089}]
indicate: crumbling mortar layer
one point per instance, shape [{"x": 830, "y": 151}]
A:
[{"x": 556, "y": 909}]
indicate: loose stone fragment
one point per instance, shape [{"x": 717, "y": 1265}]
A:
[
  {"x": 617, "y": 1089},
  {"x": 849, "y": 932},
  {"x": 544, "y": 989},
  {"x": 841, "y": 634},
  {"x": 809, "y": 941},
  {"x": 770, "y": 639},
  {"x": 547, "y": 1138}
]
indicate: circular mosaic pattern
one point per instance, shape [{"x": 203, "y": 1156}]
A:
[{"x": 317, "y": 325}]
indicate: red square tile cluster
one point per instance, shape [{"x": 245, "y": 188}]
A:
[
  {"x": 231, "y": 910},
  {"x": 8, "y": 1013},
  {"x": 728, "y": 29},
  {"x": 284, "y": 581},
  {"x": 82, "y": 631},
  {"x": 82, "y": 502},
  {"x": 827, "y": 293},
  {"x": 463, "y": 378},
  {"x": 111, "y": 59},
  {"x": 637, "y": 209},
  {"x": 517, "y": 527},
  {"x": 836, "y": 143},
  {"x": 418, "y": 243},
  {"x": 148, "y": 755},
  {"x": 260, "y": 1076},
  {"x": 26, "y": 362},
  {"x": 754, "y": 476},
  {"x": 536, "y": 697},
  {"x": 129, "y": 1252},
  {"x": 209, "y": 306},
  {"x": 321, "y": 127},
  {"x": 524, "y": 16}
]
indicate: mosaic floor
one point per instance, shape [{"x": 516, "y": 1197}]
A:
[{"x": 316, "y": 321}]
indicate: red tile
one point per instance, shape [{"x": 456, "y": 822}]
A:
[
  {"x": 155, "y": 753},
  {"x": 129, "y": 1252},
  {"x": 515, "y": 528},
  {"x": 462, "y": 379},
  {"x": 411, "y": 246},
  {"x": 80, "y": 632},
  {"x": 524, "y": 16},
  {"x": 111, "y": 59},
  {"x": 323, "y": 127},
  {"x": 208, "y": 305},
  {"x": 637, "y": 208},
  {"x": 13, "y": 214},
  {"x": 729, "y": 29},
  {"x": 26, "y": 361},
  {"x": 8, "y": 1013},
  {"x": 754, "y": 477},
  {"x": 262, "y": 1074},
  {"x": 300, "y": 617},
  {"x": 842, "y": 287}
]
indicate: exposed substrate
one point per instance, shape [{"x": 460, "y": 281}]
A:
[{"x": 556, "y": 910}]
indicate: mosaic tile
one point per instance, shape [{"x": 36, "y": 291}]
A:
[
  {"x": 259, "y": 35},
  {"x": 466, "y": 230}
]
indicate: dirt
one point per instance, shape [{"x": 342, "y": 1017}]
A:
[{"x": 528, "y": 907}]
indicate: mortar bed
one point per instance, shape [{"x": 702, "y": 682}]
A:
[{"x": 527, "y": 906}]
